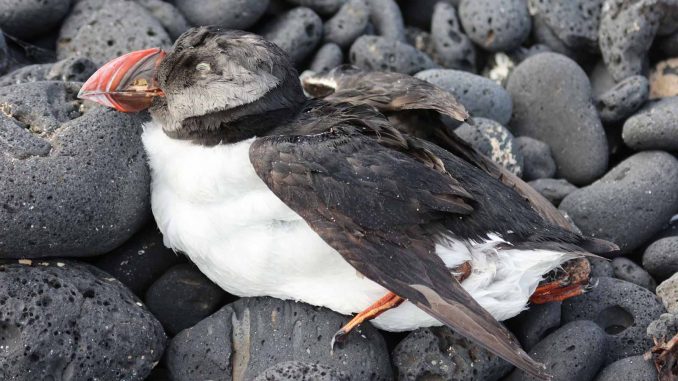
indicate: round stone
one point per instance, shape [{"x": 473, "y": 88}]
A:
[
  {"x": 661, "y": 258},
  {"x": 327, "y": 57},
  {"x": 667, "y": 291},
  {"x": 622, "y": 100},
  {"x": 297, "y": 32},
  {"x": 323, "y": 7},
  {"x": 26, "y": 19},
  {"x": 555, "y": 190},
  {"x": 629, "y": 271},
  {"x": 348, "y": 24},
  {"x": 380, "y": 53},
  {"x": 301, "y": 371},
  {"x": 494, "y": 141},
  {"x": 634, "y": 368},
  {"x": 574, "y": 23},
  {"x": 654, "y": 126},
  {"x": 538, "y": 162},
  {"x": 454, "y": 50},
  {"x": 231, "y": 14},
  {"x": 168, "y": 15},
  {"x": 531, "y": 326},
  {"x": 387, "y": 19},
  {"x": 496, "y": 25},
  {"x": 75, "y": 69}
]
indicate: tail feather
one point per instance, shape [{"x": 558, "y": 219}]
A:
[{"x": 605, "y": 249}]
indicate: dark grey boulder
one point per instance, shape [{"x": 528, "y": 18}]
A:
[
  {"x": 247, "y": 337},
  {"x": 629, "y": 271},
  {"x": 168, "y": 15},
  {"x": 661, "y": 258},
  {"x": 566, "y": 119},
  {"x": 62, "y": 194},
  {"x": 26, "y": 19},
  {"x": 482, "y": 97},
  {"x": 74, "y": 69},
  {"x": 624, "y": 50},
  {"x": 634, "y": 368},
  {"x": 86, "y": 32},
  {"x": 654, "y": 126},
  {"x": 182, "y": 297},
  {"x": 301, "y": 371},
  {"x": 140, "y": 261},
  {"x": 387, "y": 19},
  {"x": 573, "y": 352},
  {"x": 623, "y": 311},
  {"x": 327, "y": 57},
  {"x": 231, "y": 14},
  {"x": 531, "y": 326},
  {"x": 496, "y": 25},
  {"x": 623, "y": 99},
  {"x": 555, "y": 190},
  {"x": 297, "y": 32},
  {"x": 454, "y": 50},
  {"x": 380, "y": 53},
  {"x": 601, "y": 268},
  {"x": 630, "y": 203},
  {"x": 348, "y": 24},
  {"x": 574, "y": 22},
  {"x": 438, "y": 353},
  {"x": 538, "y": 162},
  {"x": 71, "y": 321},
  {"x": 494, "y": 141},
  {"x": 322, "y": 7}
]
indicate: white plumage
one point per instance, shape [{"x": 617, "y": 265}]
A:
[{"x": 210, "y": 204}]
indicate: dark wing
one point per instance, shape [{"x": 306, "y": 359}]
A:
[{"x": 381, "y": 208}]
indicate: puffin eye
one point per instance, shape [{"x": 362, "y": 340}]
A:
[{"x": 203, "y": 67}]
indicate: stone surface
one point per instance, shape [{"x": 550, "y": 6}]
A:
[
  {"x": 494, "y": 141},
  {"x": 654, "y": 126},
  {"x": 622, "y": 100},
  {"x": 663, "y": 328},
  {"x": 534, "y": 324},
  {"x": 140, "y": 261},
  {"x": 629, "y": 271},
  {"x": 231, "y": 14},
  {"x": 574, "y": 23},
  {"x": 70, "y": 321},
  {"x": 573, "y": 352},
  {"x": 627, "y": 29},
  {"x": 601, "y": 267},
  {"x": 323, "y": 7},
  {"x": 418, "y": 13},
  {"x": 327, "y": 57},
  {"x": 664, "y": 79},
  {"x": 630, "y": 203},
  {"x": 301, "y": 371},
  {"x": 182, "y": 297},
  {"x": 634, "y": 368},
  {"x": 62, "y": 195},
  {"x": 538, "y": 162},
  {"x": 348, "y": 24},
  {"x": 454, "y": 50},
  {"x": 168, "y": 15},
  {"x": 555, "y": 190},
  {"x": 481, "y": 96},
  {"x": 496, "y": 25},
  {"x": 379, "y": 53},
  {"x": 86, "y": 32},
  {"x": 26, "y": 19},
  {"x": 438, "y": 353},
  {"x": 76, "y": 69},
  {"x": 297, "y": 32},
  {"x": 387, "y": 19},
  {"x": 254, "y": 334},
  {"x": 661, "y": 258},
  {"x": 622, "y": 309},
  {"x": 667, "y": 291},
  {"x": 566, "y": 119}
]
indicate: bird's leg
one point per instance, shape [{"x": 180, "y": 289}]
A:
[{"x": 573, "y": 283}]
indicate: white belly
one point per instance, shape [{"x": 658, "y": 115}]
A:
[{"x": 210, "y": 204}]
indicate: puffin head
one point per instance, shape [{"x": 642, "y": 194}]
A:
[{"x": 211, "y": 74}]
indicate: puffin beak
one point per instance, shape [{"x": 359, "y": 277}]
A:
[{"x": 127, "y": 83}]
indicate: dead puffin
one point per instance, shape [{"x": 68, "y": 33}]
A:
[{"x": 337, "y": 202}]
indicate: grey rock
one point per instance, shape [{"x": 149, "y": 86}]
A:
[
  {"x": 538, "y": 162},
  {"x": 545, "y": 36},
  {"x": 481, "y": 97},
  {"x": 494, "y": 141},
  {"x": 327, "y": 57},
  {"x": 297, "y": 32},
  {"x": 438, "y": 353},
  {"x": 387, "y": 19},
  {"x": 667, "y": 291},
  {"x": 348, "y": 24},
  {"x": 531, "y": 326},
  {"x": 4, "y": 55},
  {"x": 566, "y": 120},
  {"x": 624, "y": 50},
  {"x": 86, "y": 32},
  {"x": 630, "y": 203},
  {"x": 629, "y": 271},
  {"x": 301, "y": 371},
  {"x": 232, "y": 14},
  {"x": 26, "y": 19},
  {"x": 254, "y": 334},
  {"x": 379, "y": 53},
  {"x": 601, "y": 267},
  {"x": 555, "y": 190},
  {"x": 623, "y": 99},
  {"x": 421, "y": 40},
  {"x": 182, "y": 297},
  {"x": 622, "y": 309},
  {"x": 418, "y": 13},
  {"x": 661, "y": 258},
  {"x": 65, "y": 320},
  {"x": 496, "y": 25},
  {"x": 168, "y": 15},
  {"x": 601, "y": 80},
  {"x": 74, "y": 69},
  {"x": 61, "y": 193},
  {"x": 663, "y": 328},
  {"x": 140, "y": 261},
  {"x": 573, "y": 352},
  {"x": 574, "y": 23},
  {"x": 322, "y": 7},
  {"x": 634, "y": 368},
  {"x": 454, "y": 50},
  {"x": 654, "y": 126}
]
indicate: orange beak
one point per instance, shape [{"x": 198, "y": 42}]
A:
[{"x": 127, "y": 83}]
